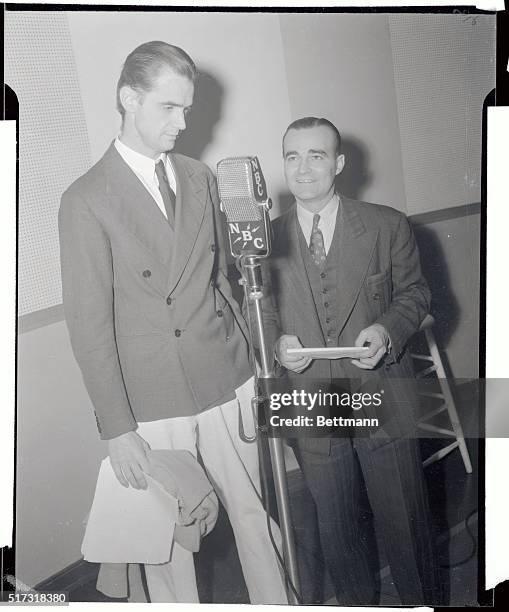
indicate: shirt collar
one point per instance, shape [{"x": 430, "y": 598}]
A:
[
  {"x": 327, "y": 214},
  {"x": 140, "y": 163}
]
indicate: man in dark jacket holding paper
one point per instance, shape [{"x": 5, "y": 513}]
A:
[{"x": 342, "y": 274}]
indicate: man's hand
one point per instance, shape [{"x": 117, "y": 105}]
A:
[
  {"x": 291, "y": 362},
  {"x": 376, "y": 337},
  {"x": 128, "y": 457},
  {"x": 206, "y": 513}
]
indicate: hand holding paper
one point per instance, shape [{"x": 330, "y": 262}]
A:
[
  {"x": 296, "y": 362},
  {"x": 377, "y": 338}
]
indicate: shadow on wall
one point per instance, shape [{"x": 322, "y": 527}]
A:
[
  {"x": 356, "y": 176},
  {"x": 352, "y": 182},
  {"x": 444, "y": 305},
  {"x": 205, "y": 114}
]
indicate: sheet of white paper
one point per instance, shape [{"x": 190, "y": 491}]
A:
[
  {"x": 332, "y": 352},
  {"x": 128, "y": 525}
]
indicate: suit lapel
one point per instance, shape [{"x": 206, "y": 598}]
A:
[
  {"x": 135, "y": 208},
  {"x": 189, "y": 213},
  {"x": 356, "y": 246}
]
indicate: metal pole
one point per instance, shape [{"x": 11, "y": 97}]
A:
[{"x": 255, "y": 295}]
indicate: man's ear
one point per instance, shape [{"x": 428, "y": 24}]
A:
[
  {"x": 340, "y": 164},
  {"x": 129, "y": 98}
]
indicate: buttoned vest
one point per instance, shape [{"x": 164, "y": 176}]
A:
[{"x": 324, "y": 286}]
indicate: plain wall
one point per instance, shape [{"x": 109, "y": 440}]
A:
[
  {"x": 58, "y": 454},
  {"x": 241, "y": 104},
  {"x": 450, "y": 256},
  {"x": 340, "y": 67}
]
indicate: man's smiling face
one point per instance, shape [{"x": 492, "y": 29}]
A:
[{"x": 311, "y": 164}]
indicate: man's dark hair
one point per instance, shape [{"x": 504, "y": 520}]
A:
[
  {"x": 143, "y": 65},
  {"x": 311, "y": 122}
]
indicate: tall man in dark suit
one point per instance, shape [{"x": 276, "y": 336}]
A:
[
  {"x": 347, "y": 273},
  {"x": 159, "y": 339}
]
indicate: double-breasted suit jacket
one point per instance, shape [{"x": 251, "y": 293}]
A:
[{"x": 152, "y": 321}]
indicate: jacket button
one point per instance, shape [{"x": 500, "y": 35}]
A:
[
  {"x": 219, "y": 313},
  {"x": 177, "y": 333},
  {"x": 376, "y": 296},
  {"x": 147, "y": 273},
  {"x": 326, "y": 304},
  {"x": 323, "y": 274},
  {"x": 324, "y": 290},
  {"x": 168, "y": 300},
  {"x": 212, "y": 248}
]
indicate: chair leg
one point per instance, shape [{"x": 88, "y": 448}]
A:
[{"x": 449, "y": 399}]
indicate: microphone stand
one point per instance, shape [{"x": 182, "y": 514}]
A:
[{"x": 253, "y": 287}]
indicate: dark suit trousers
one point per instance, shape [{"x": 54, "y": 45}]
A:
[{"x": 397, "y": 495}]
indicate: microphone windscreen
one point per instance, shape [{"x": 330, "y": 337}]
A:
[{"x": 237, "y": 189}]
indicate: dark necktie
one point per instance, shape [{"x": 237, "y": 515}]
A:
[
  {"x": 167, "y": 192},
  {"x": 316, "y": 245}
]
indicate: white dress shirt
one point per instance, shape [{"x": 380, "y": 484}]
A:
[
  {"x": 327, "y": 223},
  {"x": 145, "y": 169}
]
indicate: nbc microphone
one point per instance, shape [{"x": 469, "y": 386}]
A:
[{"x": 244, "y": 201}]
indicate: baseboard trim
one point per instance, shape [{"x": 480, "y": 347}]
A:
[
  {"x": 80, "y": 572},
  {"x": 70, "y": 578}
]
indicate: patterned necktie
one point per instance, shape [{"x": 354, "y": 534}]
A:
[
  {"x": 316, "y": 245},
  {"x": 167, "y": 192}
]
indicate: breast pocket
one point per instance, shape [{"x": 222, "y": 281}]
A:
[{"x": 378, "y": 291}]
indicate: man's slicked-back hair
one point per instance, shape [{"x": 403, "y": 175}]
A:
[
  {"x": 143, "y": 65},
  {"x": 311, "y": 122}
]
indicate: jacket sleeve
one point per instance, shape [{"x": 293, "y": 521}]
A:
[
  {"x": 87, "y": 291},
  {"x": 410, "y": 298}
]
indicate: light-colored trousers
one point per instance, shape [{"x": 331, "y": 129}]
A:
[{"x": 232, "y": 468}]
